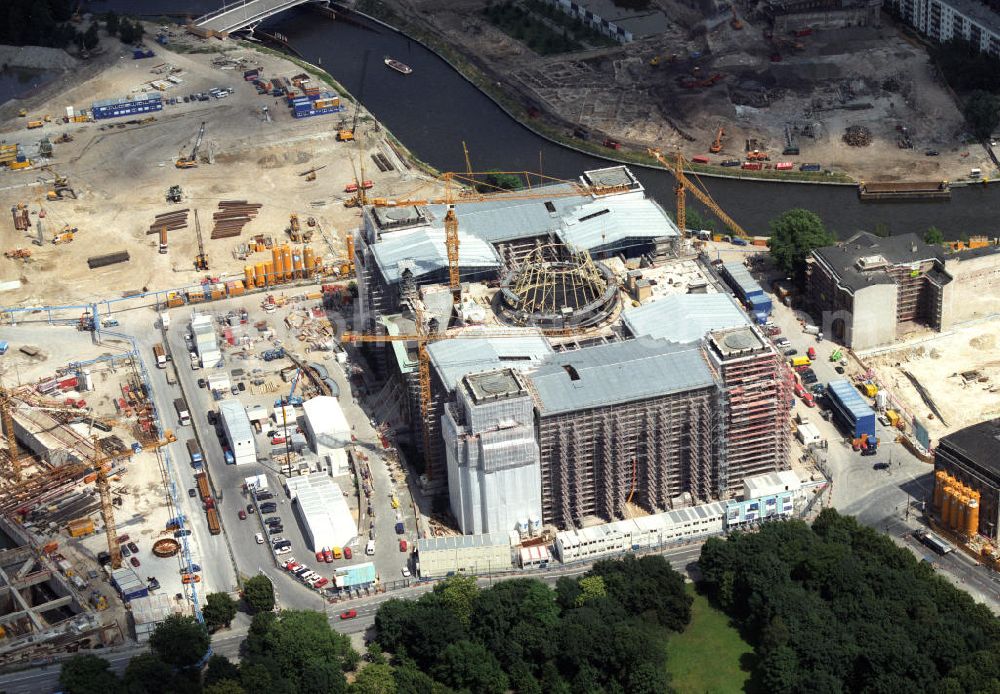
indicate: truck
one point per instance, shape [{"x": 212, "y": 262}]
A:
[
  {"x": 194, "y": 451},
  {"x": 201, "y": 479},
  {"x": 161, "y": 356},
  {"x": 183, "y": 415},
  {"x": 810, "y": 329},
  {"x": 272, "y": 354},
  {"x": 171, "y": 377},
  {"x": 801, "y": 360},
  {"x": 214, "y": 526}
]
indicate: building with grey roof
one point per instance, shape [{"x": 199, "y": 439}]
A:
[
  {"x": 970, "y": 456},
  {"x": 870, "y": 290},
  {"x": 684, "y": 317},
  {"x": 947, "y": 20}
]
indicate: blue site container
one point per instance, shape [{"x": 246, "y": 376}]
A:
[
  {"x": 117, "y": 108},
  {"x": 851, "y": 408},
  {"x": 307, "y": 113}
]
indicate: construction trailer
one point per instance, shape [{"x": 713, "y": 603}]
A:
[
  {"x": 118, "y": 108},
  {"x": 851, "y": 409}
]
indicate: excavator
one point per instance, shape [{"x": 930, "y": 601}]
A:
[
  {"x": 60, "y": 187},
  {"x": 717, "y": 144},
  {"x": 192, "y": 161}
]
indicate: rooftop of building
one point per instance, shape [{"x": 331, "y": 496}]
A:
[
  {"x": 453, "y": 542},
  {"x": 685, "y": 317},
  {"x": 494, "y": 385},
  {"x": 771, "y": 483},
  {"x": 979, "y": 443},
  {"x": 742, "y": 277},
  {"x": 237, "y": 421},
  {"x": 647, "y": 22},
  {"x": 453, "y": 359},
  {"x": 618, "y": 372},
  {"x": 422, "y": 252},
  {"x": 737, "y": 342},
  {"x": 861, "y": 260}
]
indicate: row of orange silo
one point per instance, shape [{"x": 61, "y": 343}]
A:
[
  {"x": 286, "y": 264},
  {"x": 957, "y": 503}
]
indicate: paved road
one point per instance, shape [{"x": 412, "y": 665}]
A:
[{"x": 227, "y": 643}]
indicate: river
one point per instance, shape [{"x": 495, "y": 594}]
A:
[{"x": 434, "y": 110}]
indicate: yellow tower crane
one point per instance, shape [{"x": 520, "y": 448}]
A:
[
  {"x": 454, "y": 195},
  {"x": 684, "y": 185},
  {"x": 107, "y": 507}
]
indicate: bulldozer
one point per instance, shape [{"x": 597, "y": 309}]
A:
[{"x": 66, "y": 235}]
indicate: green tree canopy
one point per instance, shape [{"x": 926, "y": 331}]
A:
[
  {"x": 148, "y": 674},
  {"x": 88, "y": 674},
  {"x": 459, "y": 593},
  {"x": 219, "y": 611},
  {"x": 933, "y": 236},
  {"x": 982, "y": 113},
  {"x": 221, "y": 668},
  {"x": 794, "y": 234},
  {"x": 374, "y": 678},
  {"x": 647, "y": 586},
  {"x": 111, "y": 22},
  {"x": 224, "y": 687},
  {"x": 259, "y": 593},
  {"x": 469, "y": 666},
  {"x": 591, "y": 587},
  {"x": 180, "y": 640}
]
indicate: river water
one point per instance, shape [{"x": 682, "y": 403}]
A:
[{"x": 434, "y": 110}]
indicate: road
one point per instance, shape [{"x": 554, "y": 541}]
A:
[{"x": 227, "y": 643}]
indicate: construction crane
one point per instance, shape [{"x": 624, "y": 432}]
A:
[
  {"x": 422, "y": 338},
  {"x": 192, "y": 161},
  {"x": 287, "y": 402},
  {"x": 453, "y": 196},
  {"x": 344, "y": 135},
  {"x": 717, "y": 144},
  {"x": 684, "y": 184},
  {"x": 107, "y": 507},
  {"x": 200, "y": 260},
  {"x": 8, "y": 432}
]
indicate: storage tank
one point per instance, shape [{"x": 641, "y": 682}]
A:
[
  {"x": 268, "y": 273},
  {"x": 940, "y": 479},
  {"x": 972, "y": 515},
  {"x": 949, "y": 497},
  {"x": 258, "y": 275},
  {"x": 307, "y": 260},
  {"x": 286, "y": 261},
  {"x": 955, "y": 518},
  {"x": 276, "y": 261},
  {"x": 296, "y": 265},
  {"x": 248, "y": 275}
]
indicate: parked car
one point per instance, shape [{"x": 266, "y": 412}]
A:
[
  {"x": 319, "y": 555},
  {"x": 192, "y": 493},
  {"x": 242, "y": 514},
  {"x": 249, "y": 508},
  {"x": 260, "y": 538},
  {"x": 202, "y": 383},
  {"x": 880, "y": 466},
  {"x": 402, "y": 545},
  {"x": 782, "y": 342},
  {"x": 790, "y": 352},
  {"x": 275, "y": 529},
  {"x": 263, "y": 496},
  {"x": 269, "y": 507},
  {"x": 134, "y": 561},
  {"x": 228, "y": 455},
  {"x": 809, "y": 378},
  {"x": 273, "y": 520},
  {"x": 125, "y": 551},
  {"x": 406, "y": 572},
  {"x": 349, "y": 614},
  {"x": 321, "y": 582},
  {"x": 212, "y": 417},
  {"x": 839, "y": 369},
  {"x": 347, "y": 552},
  {"x": 134, "y": 548},
  {"x": 327, "y": 555}
]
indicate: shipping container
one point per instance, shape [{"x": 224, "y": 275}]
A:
[
  {"x": 297, "y": 113},
  {"x": 851, "y": 409},
  {"x": 117, "y": 108}
]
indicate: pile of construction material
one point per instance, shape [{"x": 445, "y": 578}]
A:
[
  {"x": 173, "y": 220},
  {"x": 858, "y": 136},
  {"x": 97, "y": 261},
  {"x": 20, "y": 214},
  {"x": 232, "y": 216}
]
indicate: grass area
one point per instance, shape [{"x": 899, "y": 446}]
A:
[{"x": 706, "y": 656}]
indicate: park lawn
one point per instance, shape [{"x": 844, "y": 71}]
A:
[{"x": 706, "y": 656}]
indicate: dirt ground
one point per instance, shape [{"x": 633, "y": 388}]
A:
[
  {"x": 871, "y": 77},
  {"x": 121, "y": 174},
  {"x": 938, "y": 363}
]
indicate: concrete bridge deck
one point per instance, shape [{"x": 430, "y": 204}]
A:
[{"x": 242, "y": 14}]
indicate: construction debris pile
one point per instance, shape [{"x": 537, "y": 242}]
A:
[
  {"x": 232, "y": 216},
  {"x": 858, "y": 136}
]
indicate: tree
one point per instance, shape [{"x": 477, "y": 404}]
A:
[
  {"x": 412, "y": 680},
  {"x": 146, "y": 673},
  {"x": 982, "y": 113},
  {"x": 259, "y": 593},
  {"x": 221, "y": 668},
  {"x": 794, "y": 234},
  {"x": 299, "y": 652},
  {"x": 224, "y": 687},
  {"x": 374, "y": 678},
  {"x": 180, "y": 640},
  {"x": 459, "y": 593},
  {"x": 91, "y": 37},
  {"x": 467, "y": 665},
  {"x": 111, "y": 22},
  {"x": 933, "y": 236},
  {"x": 495, "y": 181},
  {"x": 591, "y": 587},
  {"x": 87, "y": 674},
  {"x": 219, "y": 610}
]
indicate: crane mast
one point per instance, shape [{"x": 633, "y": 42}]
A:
[
  {"x": 8, "y": 431},
  {"x": 107, "y": 508},
  {"x": 685, "y": 185}
]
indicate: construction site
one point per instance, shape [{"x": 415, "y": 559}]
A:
[
  {"x": 158, "y": 196},
  {"x": 774, "y": 85}
]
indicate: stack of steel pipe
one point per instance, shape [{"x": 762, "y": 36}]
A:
[
  {"x": 175, "y": 219},
  {"x": 232, "y": 216},
  {"x": 108, "y": 259}
]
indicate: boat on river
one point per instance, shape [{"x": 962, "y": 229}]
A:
[{"x": 398, "y": 66}]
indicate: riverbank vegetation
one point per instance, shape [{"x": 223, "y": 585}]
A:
[
  {"x": 838, "y": 607},
  {"x": 794, "y": 235},
  {"x": 520, "y": 24},
  {"x": 607, "y": 630},
  {"x": 38, "y": 23}
]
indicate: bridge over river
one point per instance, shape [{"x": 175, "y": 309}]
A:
[{"x": 243, "y": 15}]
